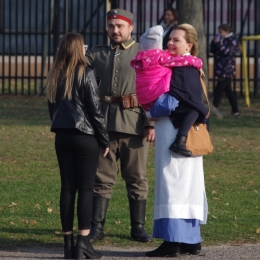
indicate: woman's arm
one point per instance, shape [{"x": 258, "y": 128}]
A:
[{"x": 94, "y": 110}]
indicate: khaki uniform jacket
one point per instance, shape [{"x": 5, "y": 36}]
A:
[{"x": 112, "y": 64}]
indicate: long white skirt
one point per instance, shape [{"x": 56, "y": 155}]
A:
[{"x": 179, "y": 185}]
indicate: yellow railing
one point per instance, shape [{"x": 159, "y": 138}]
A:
[{"x": 244, "y": 39}]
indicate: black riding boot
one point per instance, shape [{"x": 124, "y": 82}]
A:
[
  {"x": 137, "y": 216},
  {"x": 99, "y": 211},
  {"x": 179, "y": 146},
  {"x": 68, "y": 246},
  {"x": 84, "y": 248}
]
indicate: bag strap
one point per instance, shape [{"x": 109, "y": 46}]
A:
[{"x": 205, "y": 92}]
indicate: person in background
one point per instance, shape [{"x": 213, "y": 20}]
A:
[
  {"x": 153, "y": 68},
  {"x": 78, "y": 121},
  {"x": 224, "y": 47},
  {"x": 180, "y": 203},
  {"x": 170, "y": 19},
  {"x": 129, "y": 130}
]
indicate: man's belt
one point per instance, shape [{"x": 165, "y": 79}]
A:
[
  {"x": 110, "y": 99},
  {"x": 127, "y": 101}
]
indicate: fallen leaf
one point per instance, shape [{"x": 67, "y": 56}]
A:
[
  {"x": 49, "y": 210},
  {"x": 227, "y": 204},
  {"x": 12, "y": 223},
  {"x": 235, "y": 217},
  {"x": 57, "y": 232},
  {"x": 33, "y": 222},
  {"x": 118, "y": 222},
  {"x": 25, "y": 221},
  {"x": 213, "y": 192},
  {"x": 37, "y": 206},
  {"x": 212, "y": 176},
  {"x": 213, "y": 216},
  {"x": 216, "y": 198},
  {"x": 257, "y": 230}
]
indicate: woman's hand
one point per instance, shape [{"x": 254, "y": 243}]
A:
[{"x": 105, "y": 151}]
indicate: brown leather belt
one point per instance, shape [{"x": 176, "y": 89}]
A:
[
  {"x": 110, "y": 99},
  {"x": 126, "y": 101}
]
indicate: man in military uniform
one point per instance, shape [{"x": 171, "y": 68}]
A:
[{"x": 129, "y": 131}]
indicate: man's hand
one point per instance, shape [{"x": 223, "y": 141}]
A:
[{"x": 150, "y": 134}]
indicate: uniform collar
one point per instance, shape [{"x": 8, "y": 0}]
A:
[{"x": 124, "y": 45}]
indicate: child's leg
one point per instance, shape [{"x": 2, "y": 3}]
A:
[
  {"x": 187, "y": 122},
  {"x": 179, "y": 144}
]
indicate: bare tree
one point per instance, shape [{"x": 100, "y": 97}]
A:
[{"x": 191, "y": 11}]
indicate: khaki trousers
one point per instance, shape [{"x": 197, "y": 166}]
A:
[{"x": 132, "y": 151}]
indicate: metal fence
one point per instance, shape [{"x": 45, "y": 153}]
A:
[{"x": 30, "y": 31}]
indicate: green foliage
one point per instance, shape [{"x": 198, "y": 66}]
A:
[{"x": 30, "y": 184}]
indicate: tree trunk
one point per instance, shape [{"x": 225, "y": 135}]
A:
[{"x": 191, "y": 11}]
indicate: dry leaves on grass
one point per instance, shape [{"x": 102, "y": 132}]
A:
[
  {"x": 25, "y": 221},
  {"x": 257, "y": 230},
  {"x": 13, "y": 204}
]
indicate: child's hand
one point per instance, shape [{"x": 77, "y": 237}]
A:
[
  {"x": 217, "y": 38},
  {"x": 202, "y": 74}
]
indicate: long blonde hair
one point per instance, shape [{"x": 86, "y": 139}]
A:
[
  {"x": 69, "y": 55},
  {"x": 190, "y": 36}
]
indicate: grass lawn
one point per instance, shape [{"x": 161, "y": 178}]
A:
[{"x": 29, "y": 179}]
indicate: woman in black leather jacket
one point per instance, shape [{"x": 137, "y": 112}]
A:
[{"x": 77, "y": 120}]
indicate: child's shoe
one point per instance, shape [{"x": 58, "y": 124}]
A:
[{"x": 179, "y": 146}]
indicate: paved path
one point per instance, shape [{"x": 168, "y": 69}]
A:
[{"x": 248, "y": 251}]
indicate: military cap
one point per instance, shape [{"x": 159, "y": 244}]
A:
[{"x": 120, "y": 14}]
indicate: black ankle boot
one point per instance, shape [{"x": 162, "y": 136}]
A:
[
  {"x": 98, "y": 218},
  {"x": 192, "y": 249},
  {"x": 69, "y": 250},
  {"x": 179, "y": 146},
  {"x": 137, "y": 216},
  {"x": 84, "y": 248},
  {"x": 171, "y": 249}
]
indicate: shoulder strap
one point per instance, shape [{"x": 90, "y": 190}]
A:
[{"x": 203, "y": 84}]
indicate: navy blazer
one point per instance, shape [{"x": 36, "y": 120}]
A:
[{"x": 186, "y": 87}]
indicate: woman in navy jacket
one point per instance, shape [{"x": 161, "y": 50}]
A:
[
  {"x": 80, "y": 128},
  {"x": 224, "y": 48}
]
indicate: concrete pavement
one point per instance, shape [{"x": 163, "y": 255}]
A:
[{"x": 246, "y": 251}]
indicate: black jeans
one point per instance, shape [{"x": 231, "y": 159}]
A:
[
  {"x": 77, "y": 155},
  {"x": 224, "y": 85}
]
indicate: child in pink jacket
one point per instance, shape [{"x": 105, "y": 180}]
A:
[{"x": 153, "y": 68}]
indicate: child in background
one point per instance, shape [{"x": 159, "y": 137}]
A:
[
  {"x": 153, "y": 68},
  {"x": 224, "y": 48}
]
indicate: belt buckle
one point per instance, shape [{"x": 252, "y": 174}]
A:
[{"x": 108, "y": 99}]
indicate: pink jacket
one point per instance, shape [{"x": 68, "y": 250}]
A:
[{"x": 153, "y": 72}]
